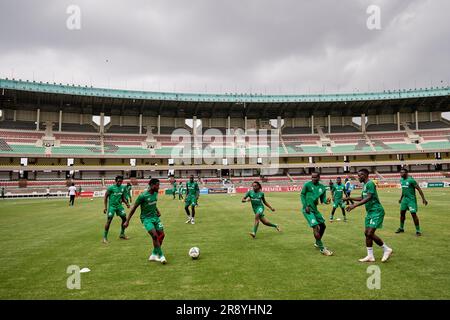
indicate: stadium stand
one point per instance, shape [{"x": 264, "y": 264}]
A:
[
  {"x": 4, "y": 146},
  {"x": 101, "y": 154}
]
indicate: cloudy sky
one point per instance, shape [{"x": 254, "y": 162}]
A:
[{"x": 284, "y": 46}]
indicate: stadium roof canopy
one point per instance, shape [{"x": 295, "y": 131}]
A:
[{"x": 84, "y": 99}]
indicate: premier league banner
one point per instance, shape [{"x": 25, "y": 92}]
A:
[
  {"x": 217, "y": 190},
  {"x": 272, "y": 189}
]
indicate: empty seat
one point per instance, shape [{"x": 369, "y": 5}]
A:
[
  {"x": 124, "y": 129},
  {"x": 296, "y": 130},
  {"x": 74, "y": 127},
  {"x": 382, "y": 127},
  {"x": 433, "y": 125},
  {"x": 18, "y": 125},
  {"x": 342, "y": 129}
]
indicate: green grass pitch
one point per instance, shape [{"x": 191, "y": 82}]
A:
[{"x": 41, "y": 238}]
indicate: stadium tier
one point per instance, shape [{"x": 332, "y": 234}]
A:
[{"x": 50, "y": 131}]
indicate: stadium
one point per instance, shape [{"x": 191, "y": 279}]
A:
[
  {"x": 225, "y": 194},
  {"x": 50, "y": 139}
]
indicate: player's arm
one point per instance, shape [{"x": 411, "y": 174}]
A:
[
  {"x": 245, "y": 198},
  {"x": 197, "y": 192},
  {"x": 303, "y": 199},
  {"x": 419, "y": 189},
  {"x": 359, "y": 203},
  {"x": 158, "y": 212},
  {"x": 125, "y": 200},
  {"x": 267, "y": 204},
  {"x": 347, "y": 198},
  {"x": 130, "y": 215},
  {"x": 353, "y": 199},
  {"x": 105, "y": 201},
  {"x": 324, "y": 199}
]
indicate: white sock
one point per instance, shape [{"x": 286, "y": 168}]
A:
[
  {"x": 385, "y": 247},
  {"x": 370, "y": 252}
]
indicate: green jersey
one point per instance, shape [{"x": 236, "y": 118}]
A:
[
  {"x": 257, "y": 199},
  {"x": 192, "y": 188},
  {"x": 312, "y": 193},
  {"x": 174, "y": 186},
  {"x": 128, "y": 190},
  {"x": 116, "y": 193},
  {"x": 147, "y": 201},
  {"x": 408, "y": 188},
  {"x": 374, "y": 203},
  {"x": 338, "y": 191}
]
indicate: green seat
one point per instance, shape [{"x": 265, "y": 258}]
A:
[{"x": 24, "y": 149}]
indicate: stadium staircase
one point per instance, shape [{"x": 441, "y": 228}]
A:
[
  {"x": 369, "y": 142},
  {"x": 379, "y": 175},
  {"x": 102, "y": 143},
  {"x": 284, "y": 145},
  {"x": 290, "y": 177},
  {"x": 324, "y": 140},
  {"x": 413, "y": 137}
]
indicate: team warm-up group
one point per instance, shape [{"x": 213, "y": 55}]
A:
[{"x": 313, "y": 192}]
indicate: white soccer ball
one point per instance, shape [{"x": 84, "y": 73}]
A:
[{"x": 194, "y": 252}]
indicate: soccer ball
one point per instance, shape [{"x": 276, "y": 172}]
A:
[{"x": 194, "y": 252}]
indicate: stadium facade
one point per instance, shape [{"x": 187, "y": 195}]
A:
[{"x": 58, "y": 132}]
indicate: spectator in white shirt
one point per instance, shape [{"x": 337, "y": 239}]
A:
[{"x": 72, "y": 192}]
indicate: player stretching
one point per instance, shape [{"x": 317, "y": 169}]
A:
[
  {"x": 408, "y": 200},
  {"x": 312, "y": 192},
  {"x": 256, "y": 196},
  {"x": 192, "y": 194},
  {"x": 114, "y": 197},
  {"x": 128, "y": 189},
  {"x": 374, "y": 216},
  {"x": 337, "y": 191},
  {"x": 150, "y": 218}
]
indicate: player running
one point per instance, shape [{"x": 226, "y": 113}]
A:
[
  {"x": 174, "y": 189},
  {"x": 408, "y": 201},
  {"x": 256, "y": 196},
  {"x": 337, "y": 192},
  {"x": 348, "y": 189},
  {"x": 128, "y": 189},
  {"x": 192, "y": 195},
  {"x": 312, "y": 192},
  {"x": 114, "y": 197},
  {"x": 180, "y": 190},
  {"x": 374, "y": 216},
  {"x": 150, "y": 218}
]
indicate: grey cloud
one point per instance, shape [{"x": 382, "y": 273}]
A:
[{"x": 228, "y": 45}]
